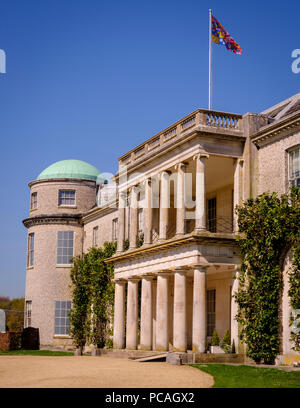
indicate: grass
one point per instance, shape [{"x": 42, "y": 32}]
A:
[
  {"x": 34, "y": 353},
  {"x": 234, "y": 376}
]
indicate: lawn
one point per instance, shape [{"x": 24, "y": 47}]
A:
[
  {"x": 234, "y": 376},
  {"x": 34, "y": 353}
]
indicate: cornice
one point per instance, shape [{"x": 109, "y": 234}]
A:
[
  {"x": 203, "y": 238},
  {"x": 46, "y": 219},
  {"x": 63, "y": 180},
  {"x": 276, "y": 130},
  {"x": 97, "y": 212}
]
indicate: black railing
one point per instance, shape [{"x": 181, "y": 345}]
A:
[{"x": 220, "y": 224}]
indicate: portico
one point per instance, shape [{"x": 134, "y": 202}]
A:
[
  {"x": 176, "y": 240},
  {"x": 172, "y": 307}
]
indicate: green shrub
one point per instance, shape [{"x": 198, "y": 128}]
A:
[
  {"x": 215, "y": 340},
  {"x": 225, "y": 343}
]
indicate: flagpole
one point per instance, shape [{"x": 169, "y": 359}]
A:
[{"x": 209, "y": 64}]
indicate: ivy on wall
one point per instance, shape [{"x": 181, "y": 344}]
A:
[
  {"x": 269, "y": 226},
  {"x": 294, "y": 292},
  {"x": 92, "y": 297}
]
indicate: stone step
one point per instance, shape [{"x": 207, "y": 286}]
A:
[{"x": 151, "y": 357}]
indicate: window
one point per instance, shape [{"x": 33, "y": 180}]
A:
[
  {"x": 28, "y": 310},
  {"x": 211, "y": 311},
  {"x": 95, "y": 236},
  {"x": 30, "y": 257},
  {"x": 114, "y": 229},
  {"x": 212, "y": 214},
  {"x": 140, "y": 219},
  {"x": 62, "y": 322},
  {"x": 33, "y": 203},
  {"x": 65, "y": 247},
  {"x": 66, "y": 197},
  {"x": 294, "y": 167}
]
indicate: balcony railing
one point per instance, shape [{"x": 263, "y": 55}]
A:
[
  {"x": 223, "y": 121},
  {"x": 220, "y": 224}
]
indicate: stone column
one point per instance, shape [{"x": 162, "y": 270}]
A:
[
  {"x": 146, "y": 313},
  {"x": 133, "y": 217},
  {"x": 180, "y": 200},
  {"x": 180, "y": 323},
  {"x": 164, "y": 205},
  {"x": 119, "y": 315},
  {"x": 162, "y": 312},
  {"x": 121, "y": 221},
  {"x": 200, "y": 212},
  {"x": 132, "y": 314},
  {"x": 234, "y": 332},
  {"x": 148, "y": 213},
  {"x": 237, "y": 189},
  {"x": 199, "y": 309}
]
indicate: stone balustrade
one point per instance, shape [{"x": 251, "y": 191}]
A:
[{"x": 203, "y": 118}]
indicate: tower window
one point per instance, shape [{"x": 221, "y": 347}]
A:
[
  {"x": 66, "y": 197},
  {"x": 95, "y": 236},
  {"x": 30, "y": 256},
  {"x": 33, "y": 203},
  {"x": 62, "y": 322},
  {"x": 28, "y": 311},
  {"x": 65, "y": 240}
]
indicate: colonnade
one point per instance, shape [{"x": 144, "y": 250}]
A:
[
  {"x": 164, "y": 203},
  {"x": 130, "y": 340}
]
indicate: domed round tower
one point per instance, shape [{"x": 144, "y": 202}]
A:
[{"x": 59, "y": 197}]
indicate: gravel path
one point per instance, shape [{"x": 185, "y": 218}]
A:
[{"x": 101, "y": 372}]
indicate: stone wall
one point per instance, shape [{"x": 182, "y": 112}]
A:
[{"x": 273, "y": 164}]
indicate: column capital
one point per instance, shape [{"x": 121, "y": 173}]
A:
[
  {"x": 201, "y": 267},
  {"x": 180, "y": 165},
  {"x": 181, "y": 269},
  {"x": 135, "y": 278},
  {"x": 148, "y": 276},
  {"x": 236, "y": 271},
  {"x": 238, "y": 160},
  {"x": 133, "y": 189},
  {"x": 119, "y": 280},
  {"x": 200, "y": 156},
  {"x": 147, "y": 181},
  {"x": 166, "y": 272},
  {"x": 164, "y": 173}
]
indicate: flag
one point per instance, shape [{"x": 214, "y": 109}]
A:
[{"x": 221, "y": 36}]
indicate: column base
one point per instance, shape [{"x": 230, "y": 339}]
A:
[
  {"x": 199, "y": 230},
  {"x": 161, "y": 348},
  {"x": 179, "y": 349},
  {"x": 131, "y": 348},
  {"x": 145, "y": 348},
  {"x": 198, "y": 349}
]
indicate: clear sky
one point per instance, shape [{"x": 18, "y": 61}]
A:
[{"x": 90, "y": 79}]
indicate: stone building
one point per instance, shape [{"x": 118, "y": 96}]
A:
[{"x": 172, "y": 201}]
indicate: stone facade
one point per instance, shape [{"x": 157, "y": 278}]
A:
[{"x": 177, "y": 192}]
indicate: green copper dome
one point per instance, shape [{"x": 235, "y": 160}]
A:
[{"x": 76, "y": 169}]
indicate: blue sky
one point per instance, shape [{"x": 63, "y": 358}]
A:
[{"x": 91, "y": 79}]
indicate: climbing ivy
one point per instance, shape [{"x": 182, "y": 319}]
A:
[
  {"x": 294, "y": 292},
  {"x": 92, "y": 296},
  {"x": 269, "y": 226}
]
